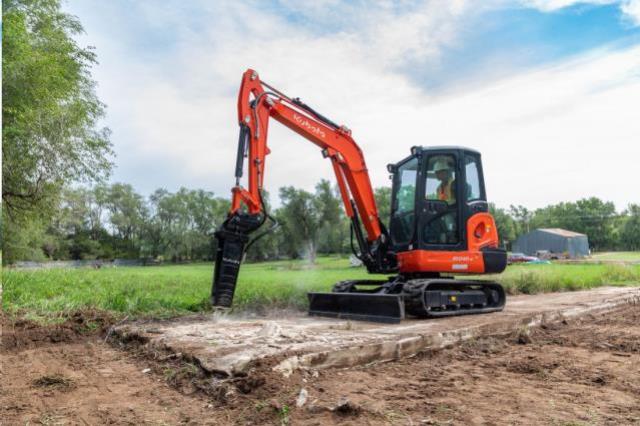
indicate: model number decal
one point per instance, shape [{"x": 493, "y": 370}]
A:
[{"x": 461, "y": 258}]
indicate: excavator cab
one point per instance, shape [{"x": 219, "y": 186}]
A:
[
  {"x": 439, "y": 213},
  {"x": 436, "y": 190}
]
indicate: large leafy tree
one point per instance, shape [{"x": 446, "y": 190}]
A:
[{"x": 50, "y": 112}]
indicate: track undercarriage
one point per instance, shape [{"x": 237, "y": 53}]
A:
[{"x": 391, "y": 301}]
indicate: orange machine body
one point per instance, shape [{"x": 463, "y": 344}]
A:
[{"x": 481, "y": 234}]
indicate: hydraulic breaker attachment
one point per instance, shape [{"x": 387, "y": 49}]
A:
[{"x": 232, "y": 237}]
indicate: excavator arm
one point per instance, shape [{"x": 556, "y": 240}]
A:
[{"x": 258, "y": 102}]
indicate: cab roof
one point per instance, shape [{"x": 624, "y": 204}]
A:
[
  {"x": 445, "y": 147},
  {"x": 420, "y": 149}
]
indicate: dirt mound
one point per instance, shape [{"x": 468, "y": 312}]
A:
[{"x": 22, "y": 334}]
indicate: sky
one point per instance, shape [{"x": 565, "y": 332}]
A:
[{"x": 547, "y": 91}]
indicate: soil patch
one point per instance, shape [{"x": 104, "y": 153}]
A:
[
  {"x": 583, "y": 371},
  {"x": 19, "y": 334}
]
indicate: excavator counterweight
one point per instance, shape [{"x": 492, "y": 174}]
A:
[{"x": 439, "y": 227}]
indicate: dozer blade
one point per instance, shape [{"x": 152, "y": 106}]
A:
[{"x": 386, "y": 308}]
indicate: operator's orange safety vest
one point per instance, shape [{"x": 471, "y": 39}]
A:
[{"x": 445, "y": 192}]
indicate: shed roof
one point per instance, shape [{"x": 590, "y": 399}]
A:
[{"x": 562, "y": 232}]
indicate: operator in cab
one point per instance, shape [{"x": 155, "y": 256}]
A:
[{"x": 446, "y": 188}]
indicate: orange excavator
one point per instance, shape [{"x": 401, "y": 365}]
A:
[{"x": 439, "y": 226}]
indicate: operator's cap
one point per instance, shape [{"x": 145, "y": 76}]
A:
[{"x": 441, "y": 165}]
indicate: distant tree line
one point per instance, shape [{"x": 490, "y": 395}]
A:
[
  {"x": 598, "y": 219},
  {"x": 114, "y": 221}
]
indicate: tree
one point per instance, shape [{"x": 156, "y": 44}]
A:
[
  {"x": 595, "y": 218},
  {"x": 127, "y": 215},
  {"x": 333, "y": 227},
  {"x": 76, "y": 230},
  {"x": 50, "y": 112},
  {"x": 630, "y": 230},
  {"x": 383, "y": 201},
  {"x": 180, "y": 226},
  {"x": 300, "y": 221},
  {"x": 522, "y": 217},
  {"x": 505, "y": 224},
  {"x": 25, "y": 244}
]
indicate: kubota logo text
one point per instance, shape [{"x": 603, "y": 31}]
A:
[{"x": 310, "y": 127}]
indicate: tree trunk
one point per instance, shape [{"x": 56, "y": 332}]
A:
[{"x": 312, "y": 252}]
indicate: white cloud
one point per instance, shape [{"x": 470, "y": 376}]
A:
[
  {"x": 551, "y": 5},
  {"x": 547, "y": 135},
  {"x": 630, "y": 8}
]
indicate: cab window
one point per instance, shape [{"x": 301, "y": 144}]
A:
[
  {"x": 472, "y": 189},
  {"x": 441, "y": 178},
  {"x": 441, "y": 227},
  {"x": 404, "y": 198}
]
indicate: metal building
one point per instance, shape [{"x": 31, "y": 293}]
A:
[{"x": 555, "y": 240}]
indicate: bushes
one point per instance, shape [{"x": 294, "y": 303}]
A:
[{"x": 532, "y": 279}]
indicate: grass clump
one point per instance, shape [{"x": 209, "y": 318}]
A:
[
  {"x": 532, "y": 279},
  {"x": 53, "y": 382}
]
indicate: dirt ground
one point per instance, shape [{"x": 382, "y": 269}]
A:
[{"x": 582, "y": 372}]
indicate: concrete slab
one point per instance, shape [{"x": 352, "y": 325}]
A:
[{"x": 296, "y": 341}]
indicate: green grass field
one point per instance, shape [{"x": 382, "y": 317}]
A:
[
  {"x": 178, "y": 289},
  {"x": 622, "y": 256}
]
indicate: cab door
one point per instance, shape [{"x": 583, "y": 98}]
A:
[
  {"x": 403, "y": 204},
  {"x": 475, "y": 199},
  {"x": 439, "y": 223}
]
